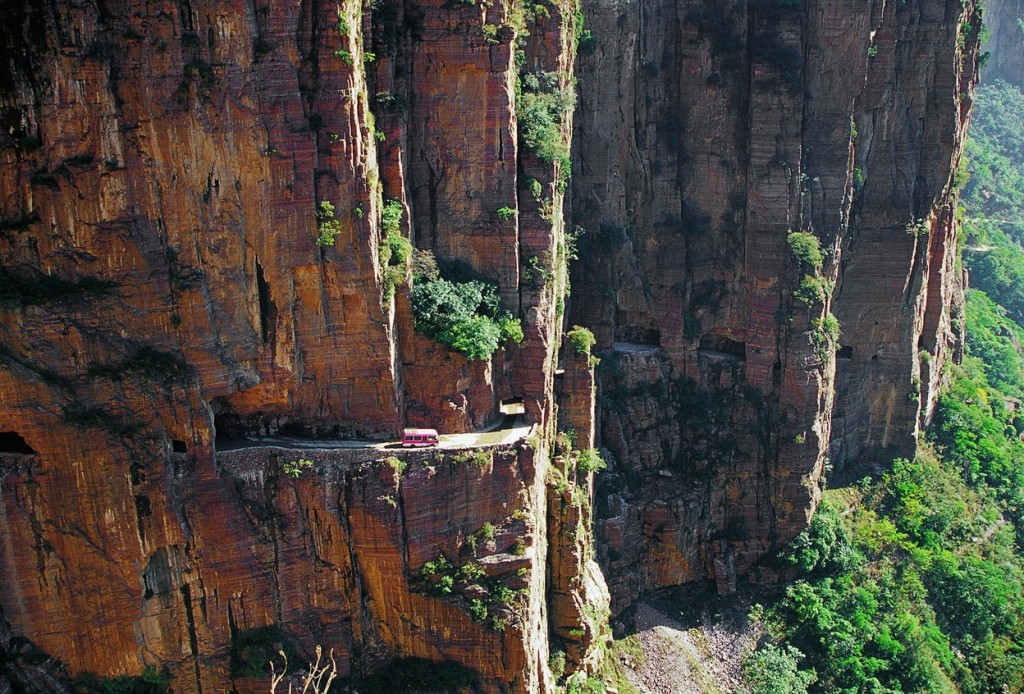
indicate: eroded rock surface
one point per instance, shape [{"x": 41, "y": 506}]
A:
[
  {"x": 191, "y": 246},
  {"x": 726, "y": 395},
  {"x": 193, "y": 252}
]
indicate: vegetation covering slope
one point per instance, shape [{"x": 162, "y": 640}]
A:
[{"x": 915, "y": 582}]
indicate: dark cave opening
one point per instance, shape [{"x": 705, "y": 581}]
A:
[{"x": 13, "y": 442}]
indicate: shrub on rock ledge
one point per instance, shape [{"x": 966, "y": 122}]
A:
[{"x": 466, "y": 316}]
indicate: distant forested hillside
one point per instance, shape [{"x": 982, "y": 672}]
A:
[{"x": 915, "y": 581}]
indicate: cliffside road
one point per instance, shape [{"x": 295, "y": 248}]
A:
[
  {"x": 633, "y": 348},
  {"x": 510, "y": 429}
]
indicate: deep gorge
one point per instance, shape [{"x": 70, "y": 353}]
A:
[{"x": 170, "y": 280}]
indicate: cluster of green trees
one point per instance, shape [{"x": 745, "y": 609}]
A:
[
  {"x": 915, "y": 581},
  {"x": 994, "y": 197},
  {"x": 467, "y": 316},
  {"x": 542, "y": 106},
  {"x": 912, "y": 583}
]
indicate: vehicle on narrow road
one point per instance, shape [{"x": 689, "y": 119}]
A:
[{"x": 419, "y": 437}]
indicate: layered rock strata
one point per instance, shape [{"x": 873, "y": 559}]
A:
[
  {"x": 193, "y": 252},
  {"x": 727, "y": 390}
]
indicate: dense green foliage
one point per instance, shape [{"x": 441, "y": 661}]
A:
[
  {"x": 996, "y": 341},
  {"x": 391, "y": 217},
  {"x": 396, "y": 250},
  {"x": 543, "y": 106},
  {"x": 774, "y": 670},
  {"x": 807, "y": 249},
  {"x": 997, "y": 267},
  {"x": 581, "y": 339},
  {"x": 994, "y": 197},
  {"x": 466, "y": 316},
  {"x": 590, "y": 460},
  {"x": 915, "y": 582},
  {"x": 911, "y": 584},
  {"x": 810, "y": 291},
  {"x": 328, "y": 227}
]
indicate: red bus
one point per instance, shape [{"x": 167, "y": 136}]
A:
[{"x": 419, "y": 437}]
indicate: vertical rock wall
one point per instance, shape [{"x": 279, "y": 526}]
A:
[
  {"x": 190, "y": 239},
  {"x": 725, "y": 394},
  {"x": 1005, "y": 44}
]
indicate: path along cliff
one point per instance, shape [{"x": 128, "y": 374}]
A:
[{"x": 203, "y": 214}]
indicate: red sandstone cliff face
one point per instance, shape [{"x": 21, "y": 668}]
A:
[
  {"x": 723, "y": 399},
  {"x": 162, "y": 289},
  {"x": 161, "y": 286},
  {"x": 330, "y": 556}
]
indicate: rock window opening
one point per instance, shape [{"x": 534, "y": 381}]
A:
[
  {"x": 12, "y": 442},
  {"x": 294, "y": 429},
  {"x": 723, "y": 346},
  {"x": 179, "y": 446},
  {"x": 227, "y": 425},
  {"x": 651, "y": 337},
  {"x": 844, "y": 352},
  {"x": 157, "y": 577},
  {"x": 512, "y": 406},
  {"x": 640, "y": 336}
]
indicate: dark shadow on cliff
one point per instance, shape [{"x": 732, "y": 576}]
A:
[{"x": 414, "y": 675}]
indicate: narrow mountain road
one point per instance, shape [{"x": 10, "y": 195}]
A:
[{"x": 510, "y": 429}]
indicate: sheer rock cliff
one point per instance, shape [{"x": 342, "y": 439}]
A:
[
  {"x": 1005, "y": 44},
  {"x": 706, "y": 134},
  {"x": 193, "y": 253},
  {"x": 203, "y": 319}
]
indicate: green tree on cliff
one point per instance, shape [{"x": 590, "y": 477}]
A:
[{"x": 466, "y": 316}]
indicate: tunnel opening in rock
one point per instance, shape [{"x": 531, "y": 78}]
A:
[
  {"x": 179, "y": 446},
  {"x": 723, "y": 346},
  {"x": 227, "y": 425},
  {"x": 294, "y": 429},
  {"x": 512, "y": 406},
  {"x": 13, "y": 442},
  {"x": 641, "y": 336},
  {"x": 844, "y": 352}
]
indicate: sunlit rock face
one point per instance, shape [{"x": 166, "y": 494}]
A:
[{"x": 192, "y": 251}]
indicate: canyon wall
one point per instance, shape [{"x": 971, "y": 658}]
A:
[
  {"x": 738, "y": 369},
  {"x": 1005, "y": 45},
  {"x": 198, "y": 241},
  {"x": 194, "y": 252}
]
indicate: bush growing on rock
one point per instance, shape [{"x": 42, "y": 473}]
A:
[
  {"x": 328, "y": 226},
  {"x": 590, "y": 461},
  {"x": 542, "y": 108},
  {"x": 811, "y": 291},
  {"x": 807, "y": 249},
  {"x": 466, "y": 316},
  {"x": 773, "y": 670},
  {"x": 294, "y": 468},
  {"x": 581, "y": 339}
]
